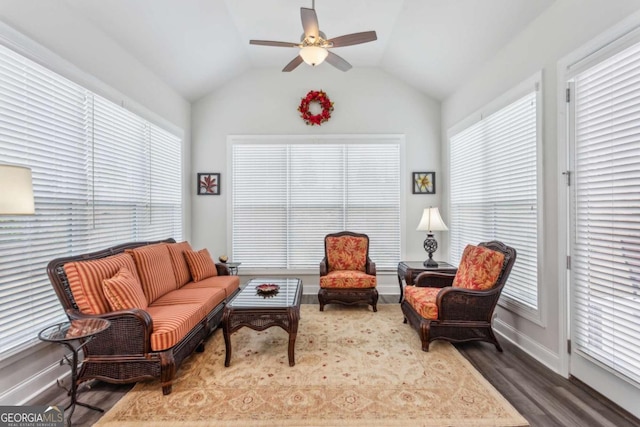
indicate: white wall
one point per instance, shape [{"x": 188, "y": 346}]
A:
[
  {"x": 50, "y": 33},
  {"x": 565, "y": 26},
  {"x": 367, "y": 101}
]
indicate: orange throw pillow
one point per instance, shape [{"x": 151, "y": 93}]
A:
[
  {"x": 200, "y": 264},
  {"x": 479, "y": 268},
  {"x": 123, "y": 291}
]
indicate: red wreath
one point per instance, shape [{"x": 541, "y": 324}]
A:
[{"x": 321, "y": 98}]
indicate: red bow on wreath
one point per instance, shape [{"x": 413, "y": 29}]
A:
[{"x": 321, "y": 98}]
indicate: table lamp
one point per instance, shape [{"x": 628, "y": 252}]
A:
[
  {"x": 16, "y": 191},
  {"x": 431, "y": 221}
]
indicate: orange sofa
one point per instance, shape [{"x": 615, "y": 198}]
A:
[{"x": 163, "y": 300}]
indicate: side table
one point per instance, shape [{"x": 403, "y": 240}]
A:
[
  {"x": 233, "y": 267},
  {"x": 409, "y": 270},
  {"x": 74, "y": 335}
]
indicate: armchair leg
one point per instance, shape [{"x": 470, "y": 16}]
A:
[{"x": 494, "y": 340}]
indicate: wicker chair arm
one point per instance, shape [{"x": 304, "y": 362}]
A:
[
  {"x": 466, "y": 305},
  {"x": 129, "y": 333},
  {"x": 370, "y": 267},
  {"x": 433, "y": 279},
  {"x": 324, "y": 267},
  {"x": 223, "y": 270}
]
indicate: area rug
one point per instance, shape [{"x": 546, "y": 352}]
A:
[{"x": 353, "y": 367}]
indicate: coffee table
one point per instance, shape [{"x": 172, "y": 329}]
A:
[{"x": 259, "y": 312}]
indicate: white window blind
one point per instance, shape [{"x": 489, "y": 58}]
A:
[
  {"x": 606, "y": 243},
  {"x": 288, "y": 196},
  {"x": 493, "y": 166},
  {"x": 101, "y": 176}
]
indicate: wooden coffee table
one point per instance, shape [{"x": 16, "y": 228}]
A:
[{"x": 259, "y": 312}]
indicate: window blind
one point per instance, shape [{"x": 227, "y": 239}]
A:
[
  {"x": 606, "y": 236},
  {"x": 101, "y": 176},
  {"x": 493, "y": 166},
  {"x": 288, "y": 196}
]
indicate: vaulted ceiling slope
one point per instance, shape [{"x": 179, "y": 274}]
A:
[{"x": 195, "y": 46}]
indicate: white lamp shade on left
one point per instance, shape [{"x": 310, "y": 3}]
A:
[{"x": 16, "y": 190}]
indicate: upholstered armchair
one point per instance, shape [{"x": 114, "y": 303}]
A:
[
  {"x": 347, "y": 275},
  {"x": 459, "y": 307}
]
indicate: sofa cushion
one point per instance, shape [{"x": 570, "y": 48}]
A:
[
  {"x": 423, "y": 300},
  {"x": 479, "y": 268},
  {"x": 171, "y": 323},
  {"x": 348, "y": 279},
  {"x": 228, "y": 283},
  {"x": 208, "y": 298},
  {"x": 200, "y": 264},
  {"x": 346, "y": 252},
  {"x": 154, "y": 269},
  {"x": 124, "y": 291},
  {"x": 180, "y": 266},
  {"x": 86, "y": 277}
]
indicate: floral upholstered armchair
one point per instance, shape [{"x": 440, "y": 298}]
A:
[
  {"x": 347, "y": 275},
  {"x": 460, "y": 307}
]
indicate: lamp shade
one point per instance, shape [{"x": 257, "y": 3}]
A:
[
  {"x": 431, "y": 221},
  {"x": 16, "y": 190},
  {"x": 313, "y": 55}
]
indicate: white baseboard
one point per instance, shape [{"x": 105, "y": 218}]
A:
[
  {"x": 542, "y": 354},
  {"x": 26, "y": 391}
]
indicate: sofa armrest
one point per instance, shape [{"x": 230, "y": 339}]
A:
[
  {"x": 223, "y": 270},
  {"x": 129, "y": 333},
  {"x": 466, "y": 304}
]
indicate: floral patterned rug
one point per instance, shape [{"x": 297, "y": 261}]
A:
[{"x": 353, "y": 368}]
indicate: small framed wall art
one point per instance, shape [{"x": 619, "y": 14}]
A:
[
  {"x": 208, "y": 184},
  {"x": 424, "y": 183}
]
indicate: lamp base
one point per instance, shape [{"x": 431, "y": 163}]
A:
[{"x": 430, "y": 263}]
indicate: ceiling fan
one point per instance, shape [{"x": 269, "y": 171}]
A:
[{"x": 314, "y": 44}]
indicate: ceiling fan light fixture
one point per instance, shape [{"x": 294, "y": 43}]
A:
[{"x": 313, "y": 55}]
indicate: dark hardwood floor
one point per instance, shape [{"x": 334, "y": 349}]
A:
[{"x": 544, "y": 398}]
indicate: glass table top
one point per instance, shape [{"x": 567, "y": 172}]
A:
[
  {"x": 76, "y": 329},
  {"x": 287, "y": 295}
]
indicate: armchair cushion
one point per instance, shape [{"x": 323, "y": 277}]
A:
[
  {"x": 347, "y": 279},
  {"x": 200, "y": 264},
  {"x": 346, "y": 252},
  {"x": 479, "y": 268},
  {"x": 423, "y": 300},
  {"x": 124, "y": 291}
]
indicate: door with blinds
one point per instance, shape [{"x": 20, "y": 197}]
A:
[{"x": 605, "y": 224}]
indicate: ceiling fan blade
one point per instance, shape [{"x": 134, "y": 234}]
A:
[
  {"x": 355, "y": 38},
  {"x": 272, "y": 43},
  {"x": 309, "y": 22},
  {"x": 338, "y": 62},
  {"x": 293, "y": 64}
]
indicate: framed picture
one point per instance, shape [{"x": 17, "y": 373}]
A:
[
  {"x": 208, "y": 184},
  {"x": 424, "y": 183}
]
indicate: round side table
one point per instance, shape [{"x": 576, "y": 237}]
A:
[{"x": 74, "y": 335}]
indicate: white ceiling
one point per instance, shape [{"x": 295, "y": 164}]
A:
[{"x": 196, "y": 46}]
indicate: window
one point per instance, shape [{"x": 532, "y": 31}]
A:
[
  {"x": 606, "y": 213},
  {"x": 494, "y": 190},
  {"x": 101, "y": 176},
  {"x": 289, "y": 194}
]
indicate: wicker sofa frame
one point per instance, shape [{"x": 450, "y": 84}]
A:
[
  {"x": 348, "y": 296},
  {"x": 122, "y": 354},
  {"x": 463, "y": 315}
]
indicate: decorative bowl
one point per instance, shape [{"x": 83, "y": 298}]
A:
[{"x": 267, "y": 288}]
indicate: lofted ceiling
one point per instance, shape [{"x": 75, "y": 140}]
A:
[{"x": 196, "y": 46}]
